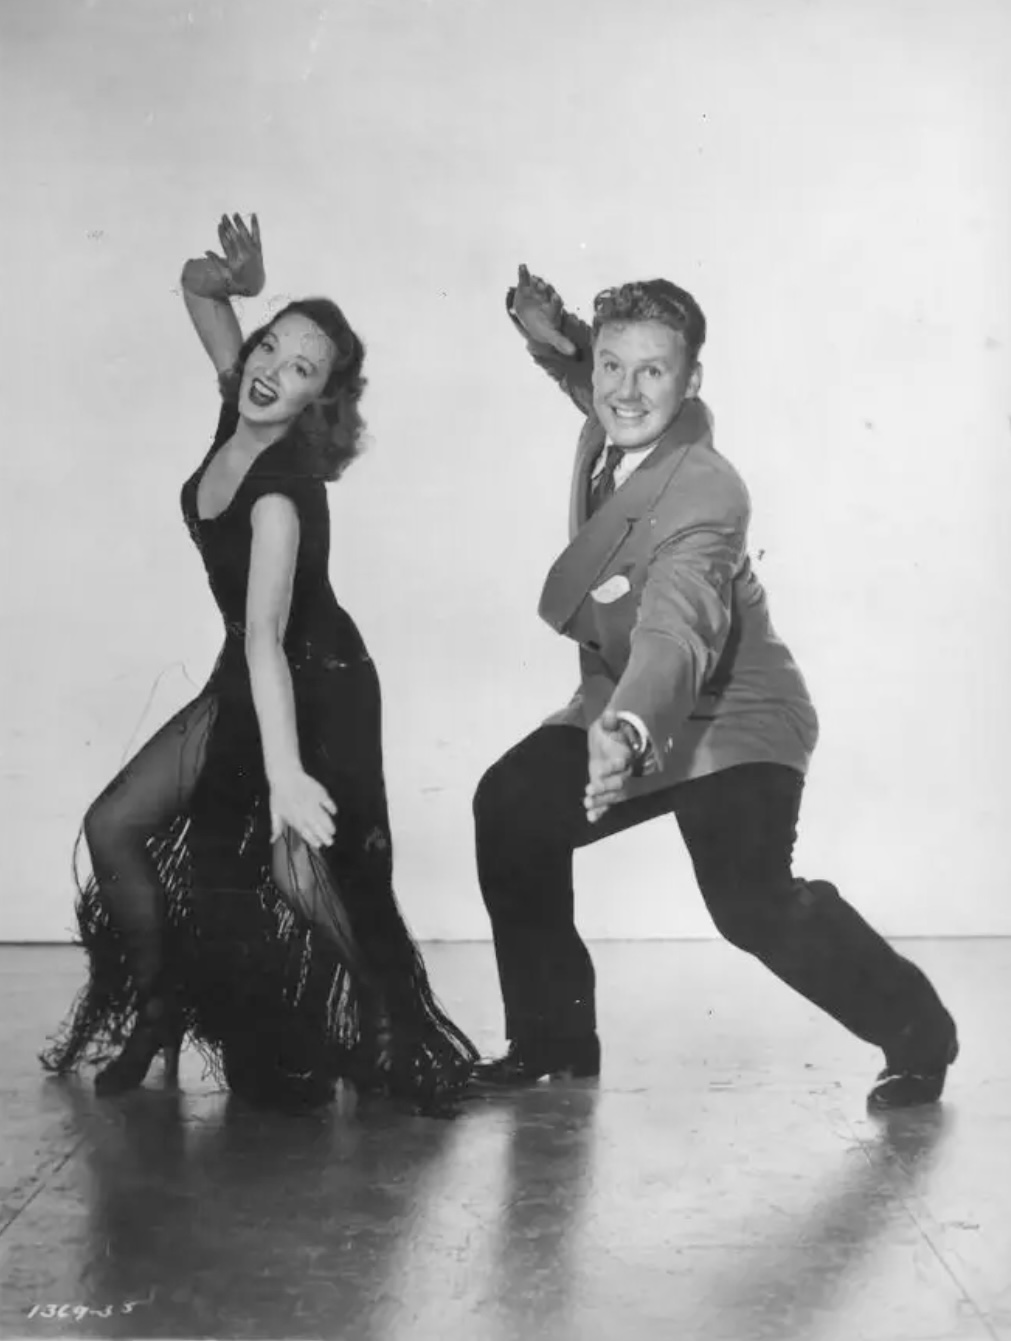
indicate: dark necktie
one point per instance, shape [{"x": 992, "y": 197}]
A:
[{"x": 602, "y": 487}]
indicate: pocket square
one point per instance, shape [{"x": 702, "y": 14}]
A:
[{"x": 612, "y": 590}]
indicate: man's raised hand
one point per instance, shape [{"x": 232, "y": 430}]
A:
[{"x": 539, "y": 309}]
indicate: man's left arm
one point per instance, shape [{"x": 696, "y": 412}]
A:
[
  {"x": 683, "y": 623},
  {"x": 682, "y": 627}
]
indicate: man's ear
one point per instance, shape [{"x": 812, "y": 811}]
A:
[{"x": 694, "y": 382}]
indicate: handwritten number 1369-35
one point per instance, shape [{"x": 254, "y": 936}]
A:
[{"x": 80, "y": 1311}]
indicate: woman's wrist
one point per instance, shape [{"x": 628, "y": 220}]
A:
[
  {"x": 280, "y": 771},
  {"x": 202, "y": 278}
]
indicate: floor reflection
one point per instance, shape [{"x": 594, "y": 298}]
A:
[
  {"x": 711, "y": 1187},
  {"x": 805, "y": 1268},
  {"x": 537, "y": 1249},
  {"x": 217, "y": 1213}
]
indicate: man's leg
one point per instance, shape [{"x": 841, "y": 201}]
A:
[
  {"x": 740, "y": 827},
  {"x": 529, "y": 819}
]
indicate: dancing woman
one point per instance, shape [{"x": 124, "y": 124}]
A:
[{"x": 242, "y": 865}]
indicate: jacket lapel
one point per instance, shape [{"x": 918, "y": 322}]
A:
[
  {"x": 591, "y": 444},
  {"x": 595, "y": 541}
]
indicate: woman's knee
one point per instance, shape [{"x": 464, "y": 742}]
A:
[
  {"x": 102, "y": 827},
  {"x": 108, "y": 827}
]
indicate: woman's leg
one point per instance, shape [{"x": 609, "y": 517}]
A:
[
  {"x": 307, "y": 883},
  {"x": 403, "y": 1041},
  {"x": 153, "y": 788}
]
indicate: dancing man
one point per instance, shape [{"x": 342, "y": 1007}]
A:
[{"x": 688, "y": 704}]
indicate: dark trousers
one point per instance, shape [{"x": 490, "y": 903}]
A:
[{"x": 740, "y": 827}]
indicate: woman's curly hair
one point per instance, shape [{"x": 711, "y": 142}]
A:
[{"x": 329, "y": 431}]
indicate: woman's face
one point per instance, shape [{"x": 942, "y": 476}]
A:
[{"x": 286, "y": 371}]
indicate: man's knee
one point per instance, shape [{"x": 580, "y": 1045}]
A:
[
  {"x": 500, "y": 796},
  {"x": 518, "y": 838},
  {"x": 536, "y": 785},
  {"x": 756, "y": 916}
]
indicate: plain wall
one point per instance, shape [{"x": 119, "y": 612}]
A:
[{"x": 831, "y": 179}]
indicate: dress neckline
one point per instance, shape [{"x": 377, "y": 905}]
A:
[{"x": 218, "y": 516}]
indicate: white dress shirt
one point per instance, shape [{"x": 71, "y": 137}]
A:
[{"x": 628, "y": 465}]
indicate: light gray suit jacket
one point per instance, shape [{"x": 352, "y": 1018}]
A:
[{"x": 658, "y": 591}]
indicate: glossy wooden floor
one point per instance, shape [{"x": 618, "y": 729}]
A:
[{"x": 721, "y": 1181}]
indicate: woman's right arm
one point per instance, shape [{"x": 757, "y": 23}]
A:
[{"x": 210, "y": 282}]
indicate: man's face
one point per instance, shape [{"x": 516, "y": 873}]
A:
[{"x": 641, "y": 376}]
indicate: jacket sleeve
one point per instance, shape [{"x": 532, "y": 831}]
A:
[
  {"x": 682, "y": 627},
  {"x": 572, "y": 372}
]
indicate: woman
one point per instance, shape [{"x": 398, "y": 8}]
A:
[{"x": 242, "y": 868}]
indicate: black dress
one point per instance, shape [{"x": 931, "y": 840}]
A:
[{"x": 290, "y": 968}]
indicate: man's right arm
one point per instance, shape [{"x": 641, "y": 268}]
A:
[{"x": 558, "y": 341}]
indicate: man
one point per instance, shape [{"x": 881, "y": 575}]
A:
[{"x": 688, "y": 705}]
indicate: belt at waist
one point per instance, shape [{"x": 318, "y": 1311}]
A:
[{"x": 304, "y": 651}]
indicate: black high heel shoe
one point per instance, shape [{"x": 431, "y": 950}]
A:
[{"x": 158, "y": 1029}]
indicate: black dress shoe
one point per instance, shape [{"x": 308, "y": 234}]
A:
[
  {"x": 578, "y": 1058},
  {"x": 909, "y": 1087}
]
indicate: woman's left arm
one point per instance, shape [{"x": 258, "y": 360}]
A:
[{"x": 296, "y": 800}]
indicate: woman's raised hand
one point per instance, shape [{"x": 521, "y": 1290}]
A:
[{"x": 239, "y": 270}]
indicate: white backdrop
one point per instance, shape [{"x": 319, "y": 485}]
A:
[{"x": 830, "y": 178}]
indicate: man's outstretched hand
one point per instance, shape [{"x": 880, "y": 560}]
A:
[
  {"x": 612, "y": 764},
  {"x": 539, "y": 309}
]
